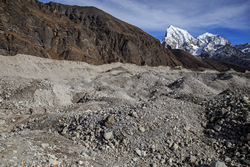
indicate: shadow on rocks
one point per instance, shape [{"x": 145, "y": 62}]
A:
[{"x": 228, "y": 123}]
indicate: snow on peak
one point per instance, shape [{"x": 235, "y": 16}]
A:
[
  {"x": 176, "y": 37},
  {"x": 206, "y": 35},
  {"x": 205, "y": 44}
]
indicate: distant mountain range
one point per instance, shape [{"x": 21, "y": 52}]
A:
[
  {"x": 75, "y": 33},
  {"x": 245, "y": 48},
  {"x": 206, "y": 46}
]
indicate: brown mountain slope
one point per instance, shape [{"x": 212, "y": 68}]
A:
[{"x": 76, "y": 33}]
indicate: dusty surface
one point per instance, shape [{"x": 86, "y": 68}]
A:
[{"x": 120, "y": 115}]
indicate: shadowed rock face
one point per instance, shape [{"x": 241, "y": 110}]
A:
[
  {"x": 194, "y": 63},
  {"x": 234, "y": 55},
  {"x": 76, "y": 33}
]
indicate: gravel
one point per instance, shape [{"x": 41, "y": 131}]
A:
[{"x": 121, "y": 115}]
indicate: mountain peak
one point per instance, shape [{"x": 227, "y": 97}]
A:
[
  {"x": 175, "y": 37},
  {"x": 206, "y": 44},
  {"x": 172, "y": 29},
  {"x": 206, "y": 35}
]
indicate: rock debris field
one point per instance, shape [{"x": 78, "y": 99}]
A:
[{"x": 121, "y": 115}]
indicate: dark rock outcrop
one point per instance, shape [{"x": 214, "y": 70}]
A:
[
  {"x": 229, "y": 53},
  {"x": 194, "y": 63},
  {"x": 76, "y": 33},
  {"x": 245, "y": 48}
]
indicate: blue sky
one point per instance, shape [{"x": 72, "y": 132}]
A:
[{"x": 228, "y": 18}]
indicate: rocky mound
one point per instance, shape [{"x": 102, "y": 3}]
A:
[{"x": 121, "y": 115}]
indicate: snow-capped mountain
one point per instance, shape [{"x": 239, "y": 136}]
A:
[
  {"x": 204, "y": 46},
  {"x": 245, "y": 48},
  {"x": 176, "y": 38}
]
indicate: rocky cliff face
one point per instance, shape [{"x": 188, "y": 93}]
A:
[
  {"x": 76, "y": 33},
  {"x": 229, "y": 53},
  {"x": 245, "y": 48}
]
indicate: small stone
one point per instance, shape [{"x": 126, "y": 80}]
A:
[
  {"x": 153, "y": 165},
  {"x": 217, "y": 164},
  {"x": 77, "y": 135},
  {"x": 142, "y": 129},
  {"x": 135, "y": 159},
  {"x": 187, "y": 128},
  {"x": 143, "y": 153},
  {"x": 2, "y": 121},
  {"x": 217, "y": 128},
  {"x": 138, "y": 152},
  {"x": 163, "y": 161},
  {"x": 110, "y": 120},
  {"x": 158, "y": 156},
  {"x": 170, "y": 143},
  {"x": 153, "y": 148},
  {"x": 64, "y": 130},
  {"x": 192, "y": 159},
  {"x": 45, "y": 145},
  {"x": 170, "y": 161},
  {"x": 91, "y": 126},
  {"x": 228, "y": 144},
  {"x": 80, "y": 162},
  {"x": 248, "y": 137},
  {"x": 108, "y": 135},
  {"x": 134, "y": 114},
  {"x": 227, "y": 159},
  {"x": 174, "y": 147}
]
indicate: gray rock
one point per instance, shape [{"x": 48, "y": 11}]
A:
[
  {"x": 91, "y": 126},
  {"x": 138, "y": 152},
  {"x": 192, "y": 159},
  {"x": 217, "y": 164},
  {"x": 135, "y": 159},
  {"x": 143, "y": 153},
  {"x": 174, "y": 147},
  {"x": 153, "y": 165},
  {"x": 170, "y": 161},
  {"x": 108, "y": 135},
  {"x": 228, "y": 144},
  {"x": 2, "y": 121},
  {"x": 248, "y": 137},
  {"x": 134, "y": 114},
  {"x": 64, "y": 130},
  {"x": 110, "y": 120},
  {"x": 45, "y": 145},
  {"x": 142, "y": 129},
  {"x": 217, "y": 128},
  {"x": 80, "y": 162}
]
